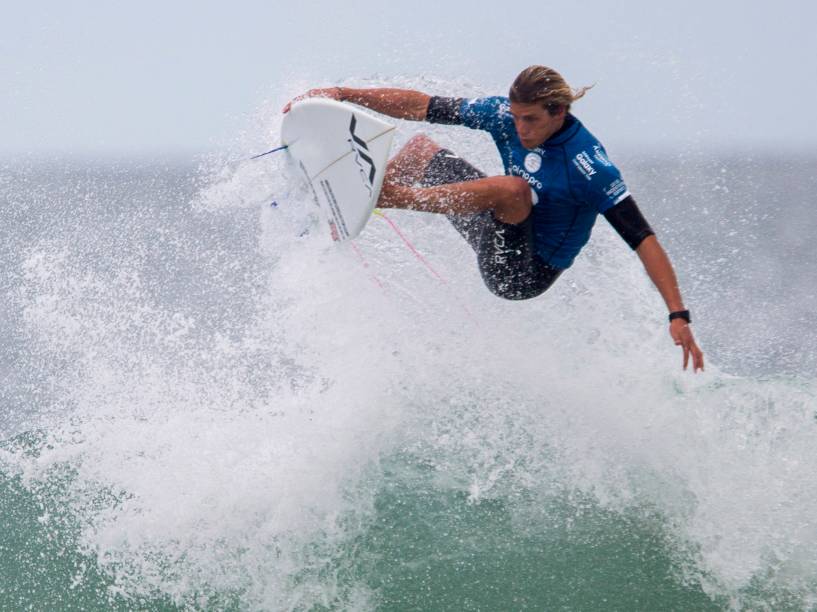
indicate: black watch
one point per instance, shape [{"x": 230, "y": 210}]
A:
[{"x": 680, "y": 314}]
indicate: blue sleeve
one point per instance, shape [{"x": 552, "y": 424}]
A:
[
  {"x": 603, "y": 185},
  {"x": 487, "y": 114}
]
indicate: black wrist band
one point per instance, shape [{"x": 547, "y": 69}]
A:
[{"x": 680, "y": 314}]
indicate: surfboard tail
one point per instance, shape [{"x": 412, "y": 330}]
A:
[{"x": 343, "y": 152}]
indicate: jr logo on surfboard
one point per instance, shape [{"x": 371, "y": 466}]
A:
[
  {"x": 361, "y": 152},
  {"x": 343, "y": 153}
]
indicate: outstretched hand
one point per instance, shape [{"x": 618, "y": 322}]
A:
[
  {"x": 681, "y": 333},
  {"x": 327, "y": 92}
]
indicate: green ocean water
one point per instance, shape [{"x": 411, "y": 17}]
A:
[
  {"x": 424, "y": 549},
  {"x": 435, "y": 550},
  {"x": 421, "y": 548},
  {"x": 203, "y": 408}
]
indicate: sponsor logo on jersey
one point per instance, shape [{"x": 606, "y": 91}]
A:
[
  {"x": 532, "y": 180},
  {"x": 616, "y": 188},
  {"x": 600, "y": 156},
  {"x": 584, "y": 165},
  {"x": 362, "y": 157},
  {"x": 533, "y": 161}
]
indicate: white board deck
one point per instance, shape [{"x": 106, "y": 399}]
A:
[{"x": 342, "y": 151}]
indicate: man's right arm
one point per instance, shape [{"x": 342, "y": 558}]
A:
[{"x": 397, "y": 103}]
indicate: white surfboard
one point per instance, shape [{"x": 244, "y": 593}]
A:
[{"x": 342, "y": 151}]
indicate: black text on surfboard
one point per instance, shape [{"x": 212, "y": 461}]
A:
[
  {"x": 361, "y": 152},
  {"x": 343, "y": 153}
]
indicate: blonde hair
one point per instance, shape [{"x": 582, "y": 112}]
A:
[{"x": 545, "y": 86}]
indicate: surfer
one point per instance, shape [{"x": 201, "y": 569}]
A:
[{"x": 527, "y": 226}]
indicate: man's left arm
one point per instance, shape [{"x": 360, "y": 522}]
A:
[
  {"x": 627, "y": 220},
  {"x": 660, "y": 271}
]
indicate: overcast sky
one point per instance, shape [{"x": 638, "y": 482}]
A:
[{"x": 142, "y": 77}]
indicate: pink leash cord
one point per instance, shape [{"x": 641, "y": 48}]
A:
[
  {"x": 365, "y": 264},
  {"x": 419, "y": 256},
  {"x": 417, "y": 253}
]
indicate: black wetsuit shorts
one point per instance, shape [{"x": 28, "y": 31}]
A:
[{"x": 506, "y": 255}]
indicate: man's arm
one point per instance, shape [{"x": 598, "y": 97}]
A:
[
  {"x": 627, "y": 220},
  {"x": 660, "y": 271},
  {"x": 397, "y": 103}
]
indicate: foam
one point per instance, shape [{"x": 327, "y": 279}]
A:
[{"x": 244, "y": 461}]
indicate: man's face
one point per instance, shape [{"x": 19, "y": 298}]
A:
[{"x": 535, "y": 124}]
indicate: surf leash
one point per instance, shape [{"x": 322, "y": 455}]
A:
[
  {"x": 411, "y": 247},
  {"x": 365, "y": 265},
  {"x": 281, "y": 148},
  {"x": 423, "y": 260},
  {"x": 238, "y": 162}
]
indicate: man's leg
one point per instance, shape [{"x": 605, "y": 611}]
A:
[
  {"x": 409, "y": 165},
  {"x": 505, "y": 251},
  {"x": 508, "y": 197}
]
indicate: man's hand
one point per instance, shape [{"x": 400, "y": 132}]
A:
[
  {"x": 660, "y": 271},
  {"x": 333, "y": 93},
  {"x": 398, "y": 103},
  {"x": 681, "y": 333}
]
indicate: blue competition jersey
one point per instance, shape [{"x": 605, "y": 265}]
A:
[{"x": 571, "y": 179}]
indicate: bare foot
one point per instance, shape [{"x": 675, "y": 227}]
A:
[{"x": 394, "y": 195}]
